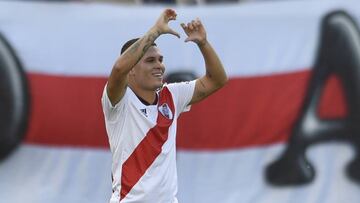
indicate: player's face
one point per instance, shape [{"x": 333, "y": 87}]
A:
[{"x": 150, "y": 70}]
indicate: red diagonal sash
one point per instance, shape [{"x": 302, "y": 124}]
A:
[{"x": 149, "y": 148}]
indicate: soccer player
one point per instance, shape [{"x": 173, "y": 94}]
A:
[{"x": 141, "y": 113}]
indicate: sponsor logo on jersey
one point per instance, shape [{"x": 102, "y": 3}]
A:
[{"x": 144, "y": 112}]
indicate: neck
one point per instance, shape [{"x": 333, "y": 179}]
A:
[{"x": 148, "y": 95}]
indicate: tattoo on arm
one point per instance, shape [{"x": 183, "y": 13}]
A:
[
  {"x": 200, "y": 92},
  {"x": 202, "y": 83},
  {"x": 135, "y": 46},
  {"x": 149, "y": 40},
  {"x": 208, "y": 74}
]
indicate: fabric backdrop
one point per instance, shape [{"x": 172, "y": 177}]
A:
[{"x": 224, "y": 144}]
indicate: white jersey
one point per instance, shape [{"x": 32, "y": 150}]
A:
[{"x": 142, "y": 141}]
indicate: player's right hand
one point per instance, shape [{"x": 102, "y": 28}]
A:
[{"x": 161, "y": 24}]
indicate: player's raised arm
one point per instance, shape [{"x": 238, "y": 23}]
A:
[
  {"x": 118, "y": 78},
  {"x": 215, "y": 76}
]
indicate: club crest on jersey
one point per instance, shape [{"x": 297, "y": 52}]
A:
[{"x": 165, "y": 111}]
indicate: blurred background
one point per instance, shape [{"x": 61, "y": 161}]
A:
[{"x": 285, "y": 128}]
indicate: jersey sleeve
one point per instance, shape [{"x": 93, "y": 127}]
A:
[
  {"x": 111, "y": 112},
  {"x": 182, "y": 94}
]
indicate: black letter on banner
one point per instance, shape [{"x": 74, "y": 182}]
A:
[
  {"x": 338, "y": 54},
  {"x": 14, "y": 100}
]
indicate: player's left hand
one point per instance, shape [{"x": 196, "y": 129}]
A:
[{"x": 195, "y": 32}]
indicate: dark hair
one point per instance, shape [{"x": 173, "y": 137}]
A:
[{"x": 131, "y": 42}]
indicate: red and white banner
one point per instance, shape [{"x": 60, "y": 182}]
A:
[{"x": 224, "y": 143}]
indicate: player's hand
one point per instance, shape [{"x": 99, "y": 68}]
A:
[
  {"x": 161, "y": 24},
  {"x": 195, "y": 32}
]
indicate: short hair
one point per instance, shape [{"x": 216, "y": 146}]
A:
[{"x": 131, "y": 42}]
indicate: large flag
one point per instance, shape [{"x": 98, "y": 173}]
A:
[{"x": 225, "y": 143}]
